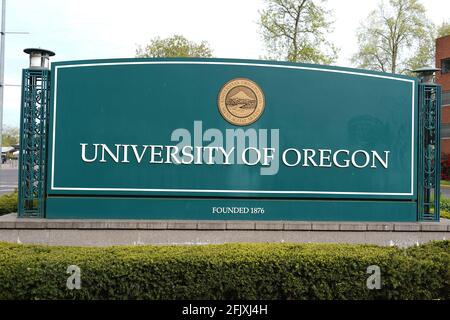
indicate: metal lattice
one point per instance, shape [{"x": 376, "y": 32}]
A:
[
  {"x": 429, "y": 152},
  {"x": 33, "y": 142}
]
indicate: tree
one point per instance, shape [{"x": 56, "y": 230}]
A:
[
  {"x": 10, "y": 136},
  {"x": 294, "y": 30},
  {"x": 443, "y": 30},
  {"x": 396, "y": 37},
  {"x": 176, "y": 46}
]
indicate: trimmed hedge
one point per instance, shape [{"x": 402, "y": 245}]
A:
[
  {"x": 229, "y": 271},
  {"x": 8, "y": 203}
]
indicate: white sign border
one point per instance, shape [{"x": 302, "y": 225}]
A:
[{"x": 52, "y": 186}]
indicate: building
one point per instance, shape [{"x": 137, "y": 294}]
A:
[{"x": 443, "y": 78}]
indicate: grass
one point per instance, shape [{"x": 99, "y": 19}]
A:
[{"x": 445, "y": 183}]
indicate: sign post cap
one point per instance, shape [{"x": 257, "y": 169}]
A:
[{"x": 39, "y": 50}]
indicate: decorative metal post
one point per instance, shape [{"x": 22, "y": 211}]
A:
[
  {"x": 34, "y": 134},
  {"x": 429, "y": 163}
]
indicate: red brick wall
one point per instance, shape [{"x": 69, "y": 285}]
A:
[
  {"x": 445, "y": 115},
  {"x": 442, "y": 52},
  {"x": 445, "y": 146}
]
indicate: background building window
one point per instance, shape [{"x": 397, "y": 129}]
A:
[
  {"x": 445, "y": 65},
  {"x": 445, "y": 98}
]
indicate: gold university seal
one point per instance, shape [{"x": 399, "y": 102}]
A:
[{"x": 241, "y": 101}]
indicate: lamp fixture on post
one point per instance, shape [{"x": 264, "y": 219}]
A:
[
  {"x": 39, "y": 58},
  {"x": 426, "y": 74}
]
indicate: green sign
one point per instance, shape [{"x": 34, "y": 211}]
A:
[{"x": 230, "y": 139}]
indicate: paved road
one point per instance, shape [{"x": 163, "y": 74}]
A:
[{"x": 8, "y": 179}]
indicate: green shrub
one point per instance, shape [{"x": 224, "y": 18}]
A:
[
  {"x": 445, "y": 214},
  {"x": 445, "y": 204},
  {"x": 8, "y": 203},
  {"x": 229, "y": 271},
  {"x": 445, "y": 207}
]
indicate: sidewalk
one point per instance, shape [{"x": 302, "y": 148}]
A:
[{"x": 10, "y": 165}]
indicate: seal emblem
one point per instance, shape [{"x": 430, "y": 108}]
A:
[{"x": 241, "y": 101}]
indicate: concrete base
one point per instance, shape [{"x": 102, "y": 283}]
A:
[{"x": 139, "y": 232}]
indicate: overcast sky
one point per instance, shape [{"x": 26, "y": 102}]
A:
[{"x": 98, "y": 29}]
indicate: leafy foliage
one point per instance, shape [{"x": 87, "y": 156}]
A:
[
  {"x": 443, "y": 30},
  {"x": 176, "y": 46},
  {"x": 296, "y": 30},
  {"x": 396, "y": 38},
  {"x": 10, "y": 136},
  {"x": 230, "y": 271}
]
